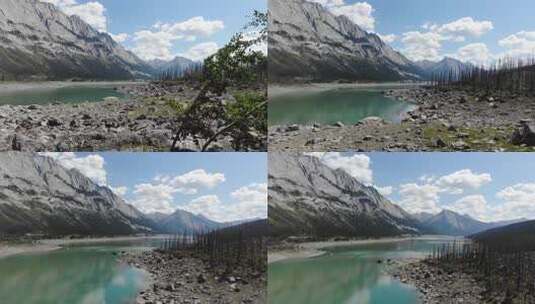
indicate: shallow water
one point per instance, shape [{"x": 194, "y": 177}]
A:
[
  {"x": 77, "y": 274},
  {"x": 69, "y": 94},
  {"x": 348, "y": 106},
  {"x": 347, "y": 275}
]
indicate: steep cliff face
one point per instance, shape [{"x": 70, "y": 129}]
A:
[
  {"x": 307, "y": 197},
  {"x": 37, "y": 195},
  {"x": 40, "y": 41},
  {"x": 307, "y": 42}
]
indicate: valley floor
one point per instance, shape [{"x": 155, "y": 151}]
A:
[
  {"x": 287, "y": 251},
  {"x": 445, "y": 120},
  {"x": 146, "y": 121},
  {"x": 6, "y": 87},
  {"x": 42, "y": 246},
  {"x": 10, "y": 250},
  {"x": 182, "y": 277}
]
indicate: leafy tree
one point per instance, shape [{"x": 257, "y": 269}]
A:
[{"x": 239, "y": 64}]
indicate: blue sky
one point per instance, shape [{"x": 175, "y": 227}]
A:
[
  {"x": 497, "y": 28},
  {"x": 487, "y": 186},
  {"x": 165, "y": 28},
  {"x": 221, "y": 186}
]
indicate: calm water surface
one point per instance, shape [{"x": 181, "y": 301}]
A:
[
  {"x": 347, "y": 275},
  {"x": 86, "y": 274},
  {"x": 345, "y": 105},
  {"x": 70, "y": 94}
]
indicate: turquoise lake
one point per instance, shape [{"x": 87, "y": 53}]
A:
[{"x": 347, "y": 275}]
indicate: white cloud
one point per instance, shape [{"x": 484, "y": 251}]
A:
[
  {"x": 422, "y": 46},
  {"x": 158, "y": 42},
  {"x": 197, "y": 179},
  {"x": 248, "y": 202},
  {"x": 466, "y": 26},
  {"x": 426, "y": 197},
  {"x": 519, "y": 202},
  {"x": 385, "y": 191},
  {"x": 151, "y": 198},
  {"x": 91, "y": 12},
  {"x": 193, "y": 27},
  {"x": 201, "y": 51},
  {"x": 361, "y": 13},
  {"x": 357, "y": 165},
  {"x": 159, "y": 195},
  {"x": 119, "y": 37},
  {"x": 427, "y": 45},
  {"x": 476, "y": 53},
  {"x": 458, "y": 181},
  {"x": 521, "y": 44},
  {"x": 419, "y": 198},
  {"x": 120, "y": 191},
  {"x": 388, "y": 38},
  {"x": 91, "y": 166},
  {"x": 475, "y": 206}
]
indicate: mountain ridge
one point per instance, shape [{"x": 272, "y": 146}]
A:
[
  {"x": 309, "y": 43},
  {"x": 307, "y": 197},
  {"x": 41, "y": 42},
  {"x": 449, "y": 222},
  {"x": 37, "y": 195}
]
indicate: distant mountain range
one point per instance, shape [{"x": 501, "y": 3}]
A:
[
  {"x": 448, "y": 222},
  {"x": 38, "y": 195},
  {"x": 308, "y": 197},
  {"x": 309, "y": 43},
  {"x": 177, "y": 64},
  {"x": 182, "y": 221},
  {"x": 443, "y": 67}
]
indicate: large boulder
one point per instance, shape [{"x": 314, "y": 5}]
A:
[{"x": 524, "y": 135}]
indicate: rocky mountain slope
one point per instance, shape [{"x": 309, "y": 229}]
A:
[
  {"x": 451, "y": 223},
  {"x": 39, "y": 41},
  {"x": 307, "y": 197},
  {"x": 183, "y": 222},
  {"x": 37, "y": 195},
  {"x": 443, "y": 66},
  {"x": 307, "y": 42}
]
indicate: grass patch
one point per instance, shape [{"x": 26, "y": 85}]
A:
[{"x": 478, "y": 139}]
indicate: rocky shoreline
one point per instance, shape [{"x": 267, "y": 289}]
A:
[
  {"x": 438, "y": 286},
  {"x": 444, "y": 120},
  {"x": 144, "y": 121},
  {"x": 181, "y": 277}
]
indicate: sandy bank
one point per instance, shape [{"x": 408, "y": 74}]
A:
[
  {"x": 10, "y": 250},
  {"x": 9, "y": 87},
  {"x": 314, "y": 249},
  {"x": 277, "y": 90},
  {"x": 65, "y": 242},
  {"x": 43, "y": 246}
]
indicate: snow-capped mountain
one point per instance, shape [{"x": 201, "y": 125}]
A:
[
  {"x": 308, "y": 197},
  {"x": 308, "y": 42},
  {"x": 38, "y": 195},
  {"x": 41, "y": 42}
]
